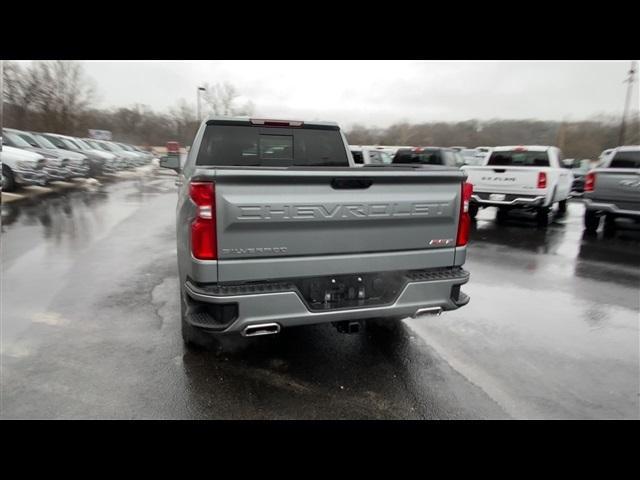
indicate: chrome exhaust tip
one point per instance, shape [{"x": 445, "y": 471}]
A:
[
  {"x": 261, "y": 329},
  {"x": 427, "y": 311}
]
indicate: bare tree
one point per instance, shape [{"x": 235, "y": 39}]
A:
[
  {"x": 64, "y": 92},
  {"x": 22, "y": 90},
  {"x": 183, "y": 117},
  {"x": 221, "y": 100}
]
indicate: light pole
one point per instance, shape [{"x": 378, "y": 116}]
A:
[
  {"x": 200, "y": 89},
  {"x": 629, "y": 80}
]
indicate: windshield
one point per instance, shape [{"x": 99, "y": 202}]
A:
[
  {"x": 519, "y": 158},
  {"x": 107, "y": 147},
  {"x": 626, "y": 160},
  {"x": 29, "y": 139},
  {"x": 15, "y": 140},
  {"x": 242, "y": 145},
  {"x": 44, "y": 142},
  {"x": 70, "y": 144},
  {"x": 114, "y": 147},
  {"x": 83, "y": 145},
  {"x": 95, "y": 145}
]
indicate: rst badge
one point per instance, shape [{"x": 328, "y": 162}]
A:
[{"x": 440, "y": 242}]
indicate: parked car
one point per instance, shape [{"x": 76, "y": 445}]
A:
[
  {"x": 485, "y": 150},
  {"x": 260, "y": 249},
  {"x": 613, "y": 189},
  {"x": 128, "y": 159},
  {"x": 457, "y": 148},
  {"x": 75, "y": 164},
  {"x": 367, "y": 155},
  {"x": 120, "y": 161},
  {"x": 521, "y": 177},
  {"x": 56, "y": 164},
  {"x": 21, "y": 167},
  {"x": 605, "y": 156},
  {"x": 429, "y": 156},
  {"x": 143, "y": 158},
  {"x": 99, "y": 162},
  {"x": 388, "y": 149},
  {"x": 579, "y": 168},
  {"x": 471, "y": 156}
]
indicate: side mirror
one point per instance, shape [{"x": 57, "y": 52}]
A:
[{"x": 171, "y": 162}]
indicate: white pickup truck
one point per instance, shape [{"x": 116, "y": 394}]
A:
[
  {"x": 363, "y": 155},
  {"x": 525, "y": 177}
]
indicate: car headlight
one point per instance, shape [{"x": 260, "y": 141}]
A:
[{"x": 27, "y": 165}]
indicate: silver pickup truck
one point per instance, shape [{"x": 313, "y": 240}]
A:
[
  {"x": 613, "y": 189},
  {"x": 275, "y": 228}
]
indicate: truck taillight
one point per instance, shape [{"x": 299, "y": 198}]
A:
[
  {"x": 542, "y": 180},
  {"x": 204, "y": 245},
  {"x": 464, "y": 224},
  {"x": 589, "y": 182}
]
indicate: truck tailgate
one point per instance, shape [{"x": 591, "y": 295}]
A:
[
  {"x": 619, "y": 185},
  {"x": 504, "y": 179},
  {"x": 276, "y": 223}
]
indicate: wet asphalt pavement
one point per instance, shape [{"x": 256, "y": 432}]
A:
[{"x": 90, "y": 327}]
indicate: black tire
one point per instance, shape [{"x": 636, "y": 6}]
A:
[
  {"x": 609, "y": 226},
  {"x": 502, "y": 214},
  {"x": 591, "y": 221},
  {"x": 194, "y": 337},
  {"x": 8, "y": 180},
  {"x": 542, "y": 217},
  {"x": 562, "y": 207},
  {"x": 95, "y": 169},
  {"x": 473, "y": 210}
]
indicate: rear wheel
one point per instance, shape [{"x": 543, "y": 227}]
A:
[
  {"x": 473, "y": 210},
  {"x": 609, "y": 225},
  {"x": 562, "y": 207},
  {"x": 502, "y": 214},
  {"x": 591, "y": 221},
  {"x": 8, "y": 180},
  {"x": 542, "y": 217}
]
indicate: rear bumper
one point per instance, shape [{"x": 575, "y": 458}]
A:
[
  {"x": 611, "y": 208},
  {"x": 280, "y": 304},
  {"x": 510, "y": 200}
]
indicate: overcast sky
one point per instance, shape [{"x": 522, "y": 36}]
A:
[{"x": 378, "y": 93}]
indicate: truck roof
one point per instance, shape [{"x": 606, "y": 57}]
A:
[
  {"x": 533, "y": 148},
  {"x": 628, "y": 148},
  {"x": 244, "y": 120}
]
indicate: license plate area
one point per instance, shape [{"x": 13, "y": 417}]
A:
[
  {"x": 499, "y": 197},
  {"x": 350, "y": 291}
]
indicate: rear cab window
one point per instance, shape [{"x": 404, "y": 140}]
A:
[
  {"x": 629, "y": 159},
  {"x": 249, "y": 145},
  {"x": 427, "y": 156},
  {"x": 519, "y": 158}
]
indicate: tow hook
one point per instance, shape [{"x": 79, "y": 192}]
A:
[{"x": 347, "y": 326}]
